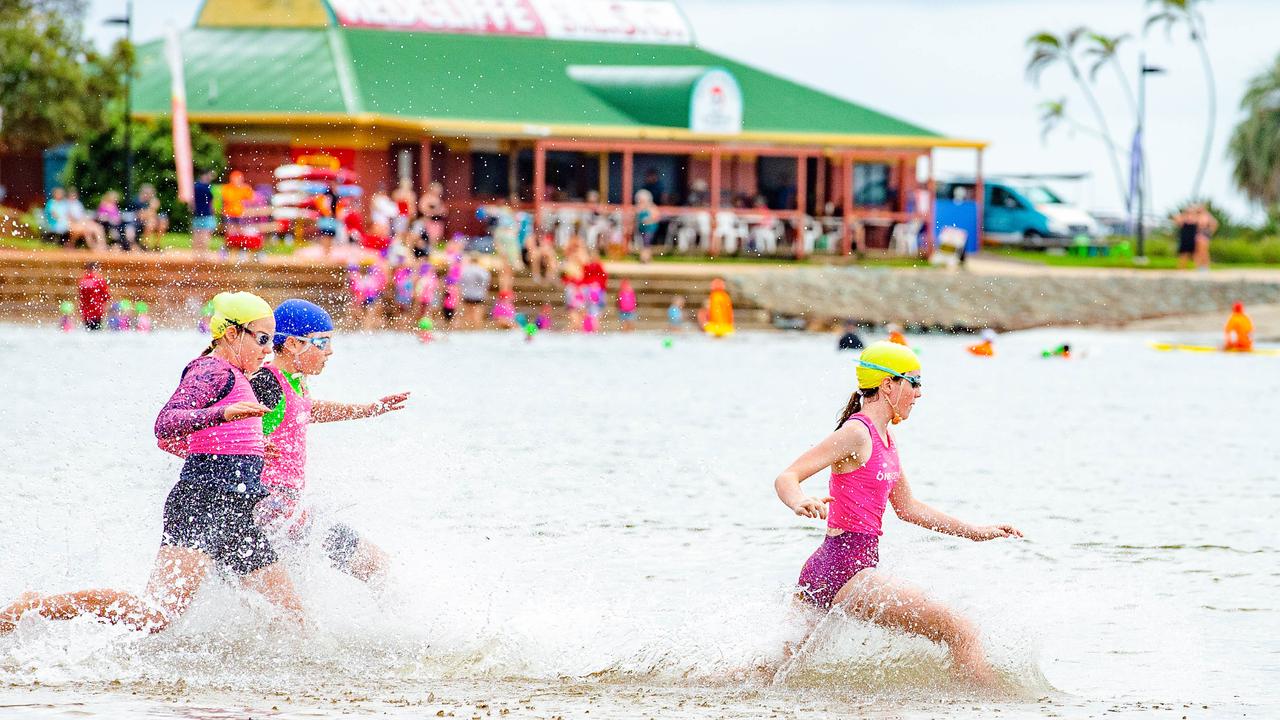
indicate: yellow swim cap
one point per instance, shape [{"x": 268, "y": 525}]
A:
[
  {"x": 881, "y": 360},
  {"x": 240, "y": 308}
]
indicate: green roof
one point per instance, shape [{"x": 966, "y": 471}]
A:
[{"x": 493, "y": 79}]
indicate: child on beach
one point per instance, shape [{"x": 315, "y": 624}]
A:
[
  {"x": 627, "y": 306},
  {"x": 424, "y": 292},
  {"x": 94, "y": 294},
  {"x": 504, "y": 310},
  {"x": 303, "y": 343},
  {"x": 366, "y": 283},
  {"x": 675, "y": 314}
]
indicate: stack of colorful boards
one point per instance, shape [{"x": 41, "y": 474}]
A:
[{"x": 299, "y": 187}]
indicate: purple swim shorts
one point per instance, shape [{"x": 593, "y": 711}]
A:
[{"x": 834, "y": 563}]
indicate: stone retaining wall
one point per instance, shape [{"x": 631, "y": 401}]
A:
[{"x": 933, "y": 298}]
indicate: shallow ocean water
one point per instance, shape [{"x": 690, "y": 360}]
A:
[{"x": 588, "y": 524}]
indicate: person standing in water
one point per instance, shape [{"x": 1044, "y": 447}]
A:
[
  {"x": 865, "y": 476},
  {"x": 215, "y": 423},
  {"x": 303, "y": 344}
]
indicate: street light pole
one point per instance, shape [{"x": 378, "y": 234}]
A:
[
  {"x": 128, "y": 104},
  {"x": 127, "y": 21},
  {"x": 1140, "y": 143}
]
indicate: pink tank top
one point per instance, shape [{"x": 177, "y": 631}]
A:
[
  {"x": 238, "y": 437},
  {"x": 290, "y": 439},
  {"x": 861, "y": 495}
]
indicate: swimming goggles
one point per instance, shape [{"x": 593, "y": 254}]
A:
[
  {"x": 912, "y": 379},
  {"x": 321, "y": 343},
  {"x": 263, "y": 339}
]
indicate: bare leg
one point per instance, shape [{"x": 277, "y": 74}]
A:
[
  {"x": 275, "y": 585},
  {"x": 174, "y": 581},
  {"x": 369, "y": 564},
  {"x": 875, "y": 597}
]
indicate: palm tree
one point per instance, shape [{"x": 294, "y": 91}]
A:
[
  {"x": 1053, "y": 114},
  {"x": 1104, "y": 50},
  {"x": 1174, "y": 12},
  {"x": 1255, "y": 143},
  {"x": 1047, "y": 50}
]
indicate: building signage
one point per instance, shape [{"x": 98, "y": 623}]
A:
[
  {"x": 640, "y": 21},
  {"x": 716, "y": 104}
]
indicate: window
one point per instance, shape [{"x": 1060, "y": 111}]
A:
[
  {"x": 1003, "y": 198},
  {"x": 871, "y": 184},
  {"x": 490, "y": 174}
]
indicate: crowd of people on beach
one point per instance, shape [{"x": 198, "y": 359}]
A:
[
  {"x": 454, "y": 288},
  {"x": 137, "y": 223}
]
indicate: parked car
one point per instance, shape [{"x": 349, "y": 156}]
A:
[{"x": 1030, "y": 215}]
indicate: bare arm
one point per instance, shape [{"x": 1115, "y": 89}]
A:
[
  {"x": 850, "y": 442},
  {"x": 909, "y": 509},
  {"x": 323, "y": 411}
]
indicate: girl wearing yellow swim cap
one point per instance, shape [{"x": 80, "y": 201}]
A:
[
  {"x": 865, "y": 477},
  {"x": 214, "y": 422}
]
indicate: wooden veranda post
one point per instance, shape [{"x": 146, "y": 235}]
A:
[
  {"x": 802, "y": 187},
  {"x": 539, "y": 182},
  {"x": 424, "y": 164},
  {"x": 980, "y": 193},
  {"x": 847, "y": 173},
  {"x": 713, "y": 243},
  {"x": 628, "y": 218},
  {"x": 931, "y": 218}
]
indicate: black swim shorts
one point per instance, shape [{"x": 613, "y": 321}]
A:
[{"x": 218, "y": 523}]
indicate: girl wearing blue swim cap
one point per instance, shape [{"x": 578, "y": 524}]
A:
[
  {"x": 303, "y": 344},
  {"x": 213, "y": 422},
  {"x": 865, "y": 477}
]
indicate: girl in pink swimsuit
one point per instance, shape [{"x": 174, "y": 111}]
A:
[
  {"x": 214, "y": 423},
  {"x": 303, "y": 337},
  {"x": 865, "y": 477}
]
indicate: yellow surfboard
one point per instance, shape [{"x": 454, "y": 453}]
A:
[{"x": 1179, "y": 347}]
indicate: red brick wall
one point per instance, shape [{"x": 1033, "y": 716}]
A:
[
  {"x": 257, "y": 161},
  {"x": 22, "y": 174}
]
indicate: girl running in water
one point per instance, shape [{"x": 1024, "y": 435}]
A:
[
  {"x": 214, "y": 422},
  {"x": 865, "y": 475},
  {"x": 303, "y": 337}
]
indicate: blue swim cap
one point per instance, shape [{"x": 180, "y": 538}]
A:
[{"x": 299, "y": 318}]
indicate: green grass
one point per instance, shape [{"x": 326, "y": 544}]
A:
[
  {"x": 169, "y": 241},
  {"x": 1230, "y": 251},
  {"x": 812, "y": 260}
]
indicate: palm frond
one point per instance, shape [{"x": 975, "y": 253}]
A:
[
  {"x": 1044, "y": 38},
  {"x": 1041, "y": 59},
  {"x": 1074, "y": 34}
]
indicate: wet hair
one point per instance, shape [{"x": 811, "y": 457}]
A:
[{"x": 854, "y": 406}]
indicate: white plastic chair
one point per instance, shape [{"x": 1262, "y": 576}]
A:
[
  {"x": 951, "y": 242},
  {"x": 764, "y": 237},
  {"x": 694, "y": 231},
  {"x": 731, "y": 231},
  {"x": 906, "y": 237}
]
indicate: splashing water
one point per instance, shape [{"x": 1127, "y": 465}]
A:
[{"x": 589, "y": 523}]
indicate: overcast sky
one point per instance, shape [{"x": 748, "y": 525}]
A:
[{"x": 956, "y": 66}]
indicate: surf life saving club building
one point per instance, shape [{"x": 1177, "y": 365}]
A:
[{"x": 540, "y": 103}]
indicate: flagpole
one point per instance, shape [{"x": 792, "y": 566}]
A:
[
  {"x": 1141, "y": 160},
  {"x": 181, "y": 130}
]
